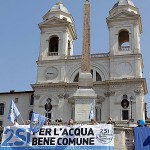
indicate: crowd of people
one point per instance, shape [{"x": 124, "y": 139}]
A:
[{"x": 140, "y": 123}]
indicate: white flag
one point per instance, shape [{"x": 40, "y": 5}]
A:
[{"x": 92, "y": 111}]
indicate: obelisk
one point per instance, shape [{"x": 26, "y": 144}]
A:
[
  {"x": 85, "y": 77},
  {"x": 85, "y": 94}
]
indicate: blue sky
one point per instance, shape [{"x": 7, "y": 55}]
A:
[{"x": 20, "y": 37}]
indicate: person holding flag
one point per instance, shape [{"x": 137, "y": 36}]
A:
[
  {"x": 37, "y": 122},
  {"x": 13, "y": 112}
]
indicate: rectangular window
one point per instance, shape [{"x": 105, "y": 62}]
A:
[
  {"x": 48, "y": 115},
  {"x": 2, "y": 109},
  {"x": 125, "y": 114},
  {"x": 30, "y": 114},
  {"x": 32, "y": 100},
  {"x": 1, "y": 123}
]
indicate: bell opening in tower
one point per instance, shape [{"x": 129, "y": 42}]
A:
[
  {"x": 123, "y": 40},
  {"x": 53, "y": 46}
]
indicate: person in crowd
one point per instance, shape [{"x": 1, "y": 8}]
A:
[
  {"x": 70, "y": 122},
  {"x": 93, "y": 122},
  {"x": 141, "y": 123},
  {"x": 47, "y": 122},
  {"x": 16, "y": 123},
  {"x": 57, "y": 120},
  {"x": 60, "y": 120},
  {"x": 27, "y": 122},
  {"x": 110, "y": 121}
]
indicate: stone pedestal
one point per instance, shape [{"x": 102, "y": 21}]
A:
[{"x": 83, "y": 99}]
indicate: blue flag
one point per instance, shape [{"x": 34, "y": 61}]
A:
[
  {"x": 92, "y": 111},
  {"x": 37, "y": 122},
  {"x": 13, "y": 112},
  {"x": 142, "y": 138}
]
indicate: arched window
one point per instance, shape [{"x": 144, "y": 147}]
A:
[
  {"x": 95, "y": 75},
  {"x": 32, "y": 99},
  {"x": 2, "y": 105},
  {"x": 53, "y": 46},
  {"x": 98, "y": 77},
  {"x": 76, "y": 79},
  {"x": 69, "y": 48},
  {"x": 123, "y": 40}
]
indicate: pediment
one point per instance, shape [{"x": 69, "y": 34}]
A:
[
  {"x": 123, "y": 15},
  {"x": 53, "y": 21}
]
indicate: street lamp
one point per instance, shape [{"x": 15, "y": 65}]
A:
[{"x": 131, "y": 101}]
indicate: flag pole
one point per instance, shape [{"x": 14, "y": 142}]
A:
[{"x": 22, "y": 119}]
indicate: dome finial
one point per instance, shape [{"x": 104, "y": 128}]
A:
[
  {"x": 125, "y": 2},
  {"x": 59, "y": 7},
  {"x": 59, "y": 2}
]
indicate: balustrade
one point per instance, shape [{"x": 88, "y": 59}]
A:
[{"x": 124, "y": 48}]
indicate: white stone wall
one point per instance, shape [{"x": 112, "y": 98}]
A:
[
  {"x": 114, "y": 68},
  {"x": 23, "y": 106}
]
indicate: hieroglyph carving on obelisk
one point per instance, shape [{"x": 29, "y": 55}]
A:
[{"x": 86, "y": 62}]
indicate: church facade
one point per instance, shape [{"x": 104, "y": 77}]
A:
[{"x": 116, "y": 75}]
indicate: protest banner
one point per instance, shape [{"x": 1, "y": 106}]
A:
[{"x": 100, "y": 137}]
